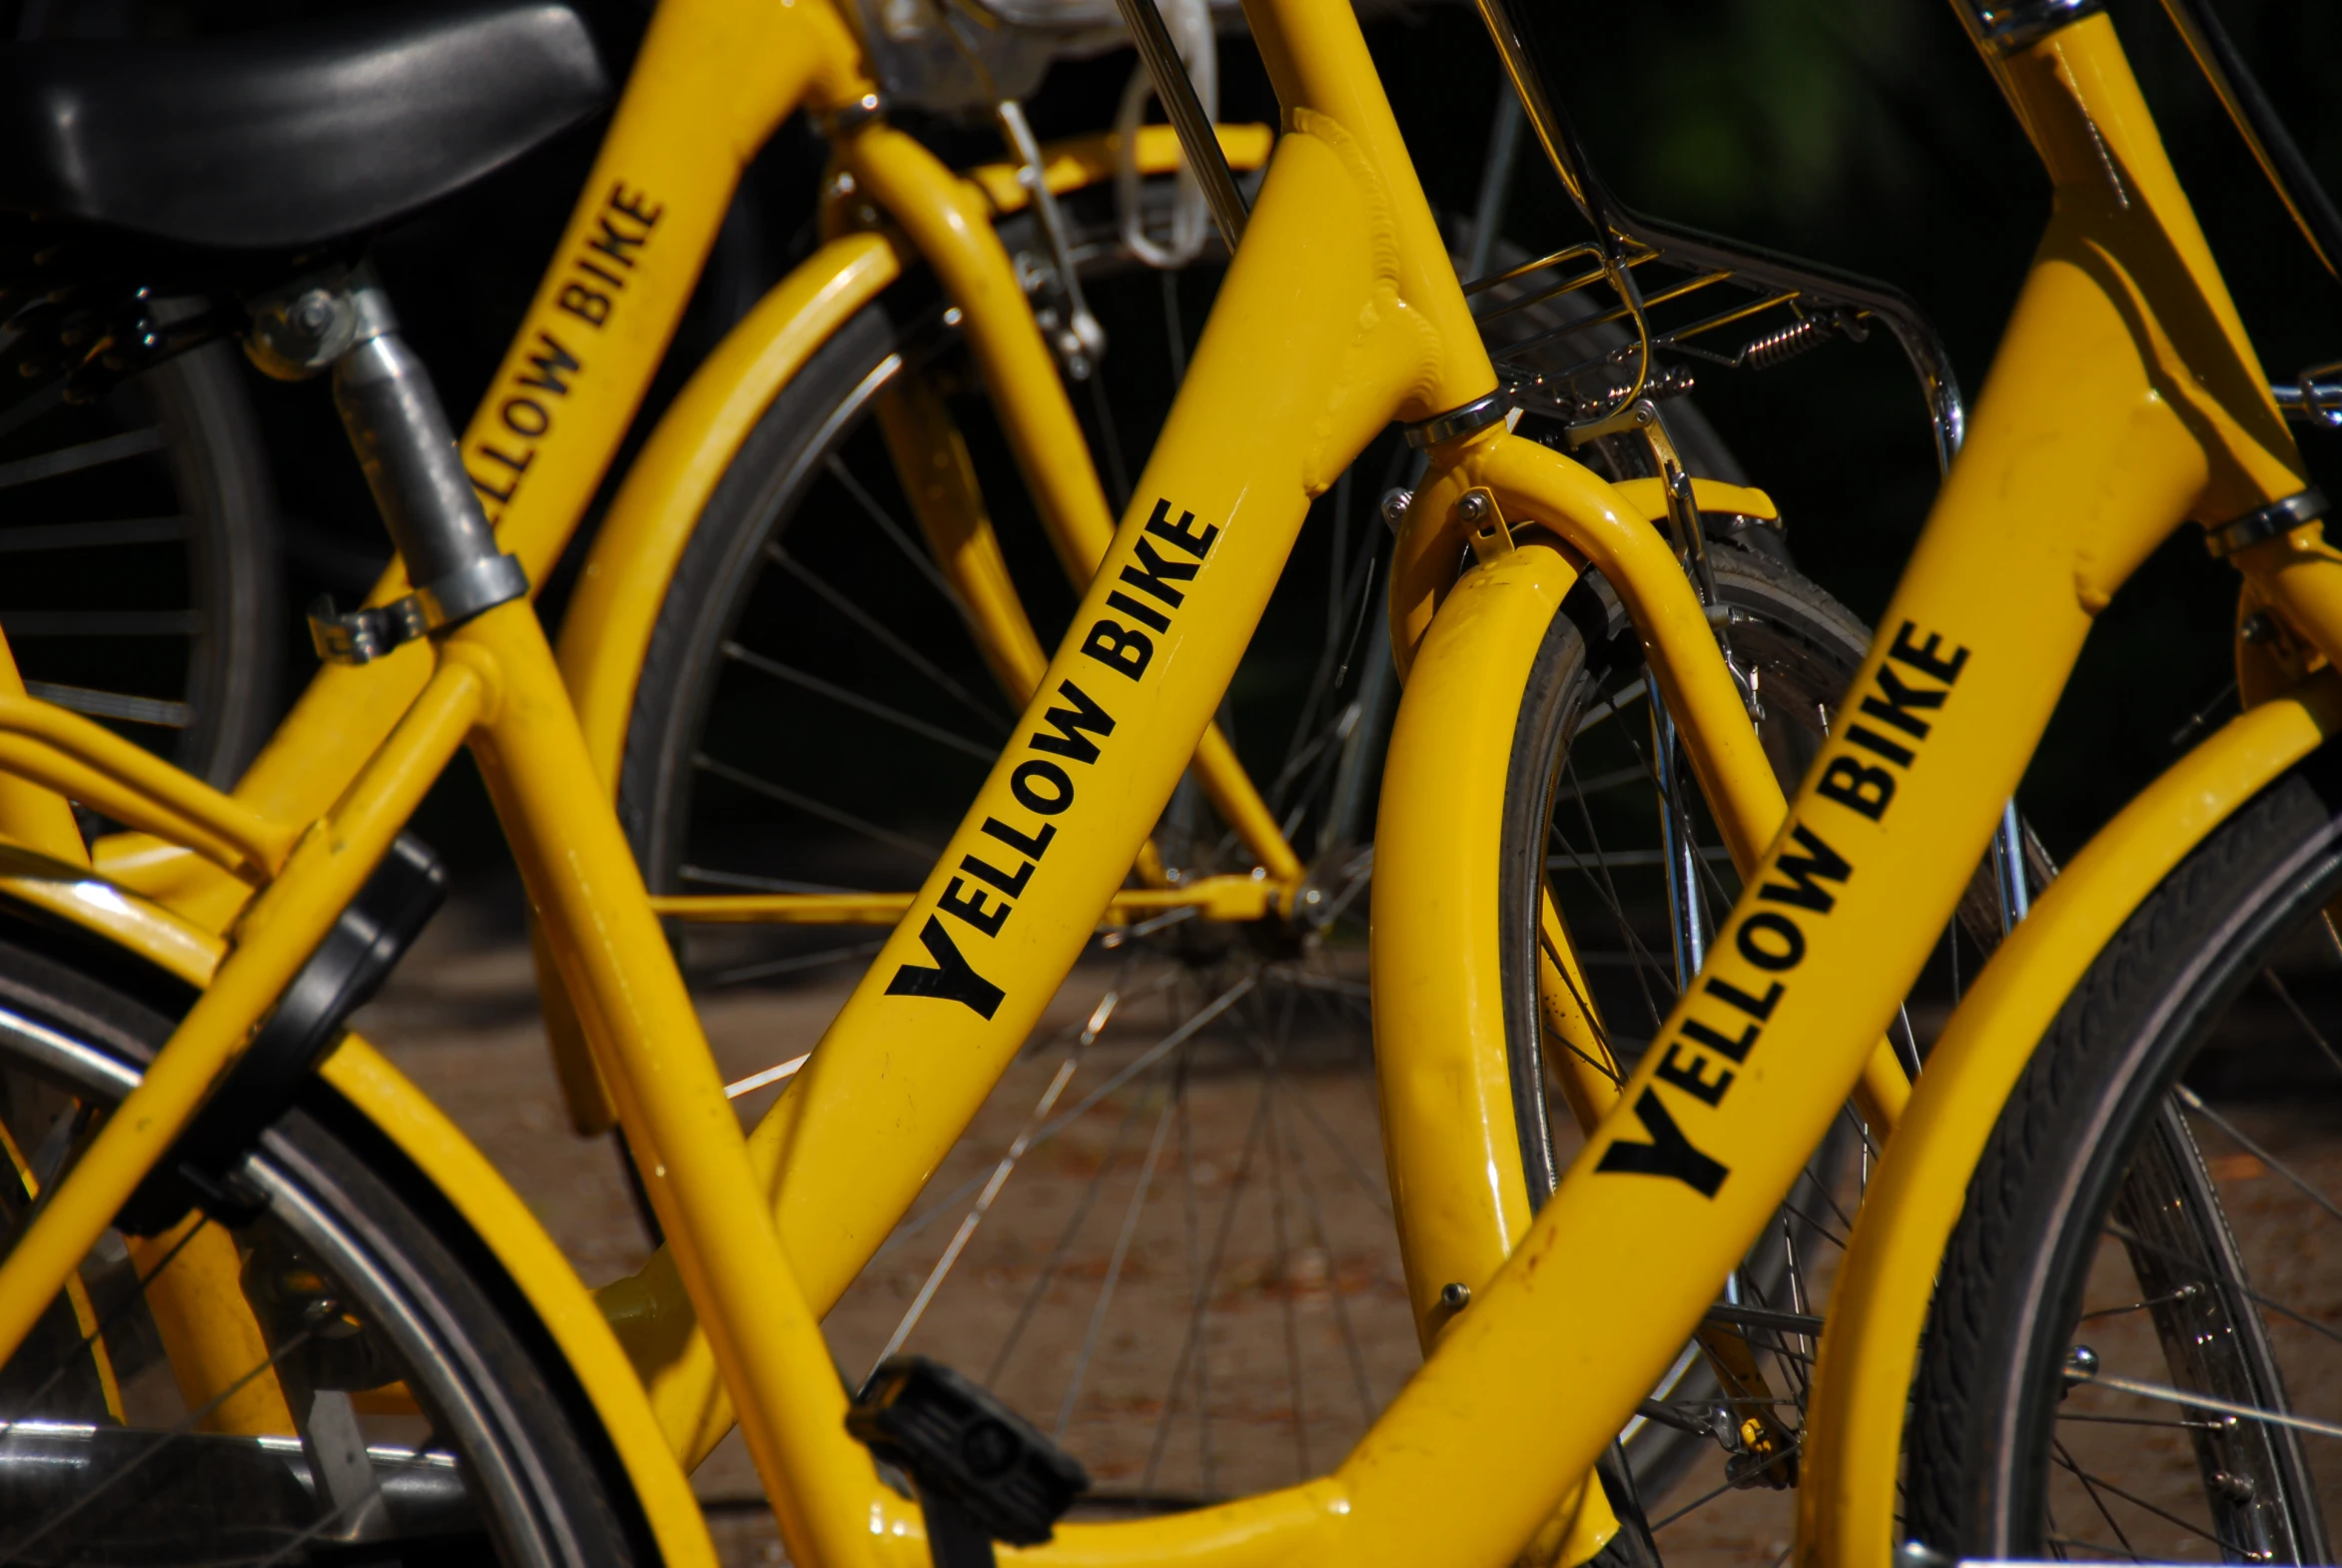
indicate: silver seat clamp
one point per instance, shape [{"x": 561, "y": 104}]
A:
[
  {"x": 1477, "y": 415},
  {"x": 2279, "y": 516},
  {"x": 360, "y": 636}
]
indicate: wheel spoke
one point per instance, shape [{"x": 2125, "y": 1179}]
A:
[
  {"x": 114, "y": 704},
  {"x": 919, "y": 558},
  {"x": 114, "y": 534},
  {"x": 1192, "y": 1349},
  {"x": 85, "y": 455},
  {"x": 928, "y": 853},
  {"x": 885, "y": 636},
  {"x": 1061, "y": 1251},
  {"x": 2188, "y": 1097},
  {"x": 187, "y": 1423},
  {"x": 982, "y": 1206},
  {"x": 1113, "y": 1267},
  {"x": 101, "y": 623},
  {"x": 2316, "y": 1035},
  {"x": 2141, "y": 1389},
  {"x": 796, "y": 964},
  {"x": 741, "y": 879},
  {"x": 1323, "y": 1242},
  {"x": 2098, "y": 1482},
  {"x": 861, "y": 704}
]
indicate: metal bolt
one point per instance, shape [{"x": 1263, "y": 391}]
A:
[
  {"x": 2259, "y": 626},
  {"x": 2081, "y": 1364},
  {"x": 311, "y": 314},
  {"x": 1394, "y": 508},
  {"x": 1455, "y": 1296},
  {"x": 1472, "y": 510}
]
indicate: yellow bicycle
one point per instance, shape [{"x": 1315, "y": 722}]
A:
[{"x": 215, "y": 1300}]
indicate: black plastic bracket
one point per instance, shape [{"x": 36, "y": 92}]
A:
[
  {"x": 983, "y": 1472},
  {"x": 346, "y": 968}
]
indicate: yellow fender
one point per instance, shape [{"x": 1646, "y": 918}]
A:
[
  {"x": 1455, "y": 1159},
  {"x": 1846, "y": 1503},
  {"x": 633, "y": 559}
]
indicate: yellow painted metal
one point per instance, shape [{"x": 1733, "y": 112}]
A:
[
  {"x": 1649, "y": 497},
  {"x": 195, "y": 1290},
  {"x": 1879, "y": 1305},
  {"x": 2300, "y": 576},
  {"x": 1585, "y": 1068},
  {"x": 87, "y": 762},
  {"x": 931, "y": 458},
  {"x": 283, "y": 925},
  {"x": 709, "y": 82},
  {"x": 2125, "y": 398},
  {"x": 608, "y": 629},
  {"x": 38, "y": 818},
  {"x": 1737, "y": 780},
  {"x": 77, "y": 1291},
  {"x": 1216, "y": 897},
  {"x": 606, "y": 632},
  {"x": 1077, "y": 162},
  {"x": 1449, "y": 1132},
  {"x": 544, "y": 1276},
  {"x": 1451, "y": 1135},
  {"x": 945, "y": 218},
  {"x": 2086, "y": 449},
  {"x": 1535, "y": 485},
  {"x": 1314, "y": 290},
  {"x": 172, "y": 943},
  {"x": 585, "y": 886},
  {"x": 172, "y": 877},
  {"x": 2075, "y": 468}
]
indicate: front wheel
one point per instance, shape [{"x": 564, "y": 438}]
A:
[
  {"x": 328, "y": 1375},
  {"x": 2136, "y": 1350}
]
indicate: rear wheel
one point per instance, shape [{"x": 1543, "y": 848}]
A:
[{"x": 332, "y": 1375}]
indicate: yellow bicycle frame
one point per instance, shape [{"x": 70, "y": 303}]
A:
[{"x": 1343, "y": 289}]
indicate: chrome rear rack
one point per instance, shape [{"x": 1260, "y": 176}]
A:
[{"x": 1645, "y": 303}]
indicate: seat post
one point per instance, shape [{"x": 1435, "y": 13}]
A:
[{"x": 343, "y": 320}]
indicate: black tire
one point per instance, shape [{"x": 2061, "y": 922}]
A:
[
  {"x": 358, "y": 1278},
  {"x": 234, "y": 656},
  {"x": 2096, "y": 1222}
]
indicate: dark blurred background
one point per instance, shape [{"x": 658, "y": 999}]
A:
[{"x": 1864, "y": 133}]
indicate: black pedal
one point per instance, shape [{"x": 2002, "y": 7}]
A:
[
  {"x": 361, "y": 948},
  {"x": 983, "y": 1472}
]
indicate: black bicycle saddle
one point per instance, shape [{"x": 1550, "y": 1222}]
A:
[{"x": 293, "y": 136}]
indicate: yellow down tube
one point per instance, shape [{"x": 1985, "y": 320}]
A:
[{"x": 1117, "y": 719}]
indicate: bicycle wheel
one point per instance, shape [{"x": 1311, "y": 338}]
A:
[
  {"x": 1168, "y": 1235},
  {"x": 327, "y": 1375},
  {"x": 1604, "y": 827},
  {"x": 2134, "y": 1349},
  {"x": 142, "y": 553}
]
